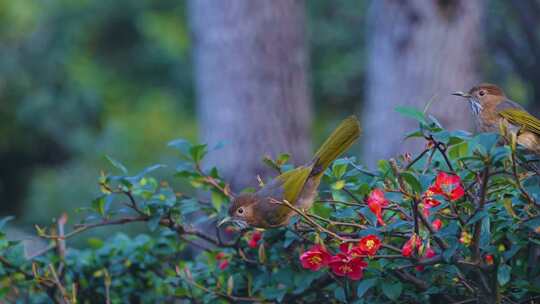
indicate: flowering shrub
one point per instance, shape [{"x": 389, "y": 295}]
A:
[{"x": 457, "y": 223}]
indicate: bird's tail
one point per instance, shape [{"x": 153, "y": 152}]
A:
[{"x": 339, "y": 141}]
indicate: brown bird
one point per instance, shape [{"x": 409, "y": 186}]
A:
[
  {"x": 298, "y": 186},
  {"x": 491, "y": 108}
]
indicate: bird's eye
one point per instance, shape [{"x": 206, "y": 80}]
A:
[
  {"x": 481, "y": 93},
  {"x": 240, "y": 211}
]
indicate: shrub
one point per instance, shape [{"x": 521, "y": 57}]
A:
[{"x": 458, "y": 222}]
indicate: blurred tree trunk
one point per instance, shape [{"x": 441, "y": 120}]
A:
[
  {"x": 250, "y": 65},
  {"x": 418, "y": 50}
]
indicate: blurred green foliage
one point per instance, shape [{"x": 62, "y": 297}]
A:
[{"x": 81, "y": 79}]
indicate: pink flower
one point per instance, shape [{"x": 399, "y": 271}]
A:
[
  {"x": 315, "y": 258},
  {"x": 376, "y": 202}
]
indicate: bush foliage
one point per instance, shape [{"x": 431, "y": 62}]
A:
[{"x": 458, "y": 222}]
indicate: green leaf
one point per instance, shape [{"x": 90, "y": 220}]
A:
[
  {"x": 485, "y": 142},
  {"x": 267, "y": 160},
  {"x": 459, "y": 150},
  {"x": 197, "y": 152},
  {"x": 282, "y": 159},
  {"x": 181, "y": 144},
  {"x": 392, "y": 291},
  {"x": 364, "y": 286},
  {"x": 339, "y": 294},
  {"x": 116, "y": 164},
  {"x": 411, "y": 113},
  {"x": 339, "y": 168},
  {"x": 99, "y": 205},
  {"x": 503, "y": 274},
  {"x": 412, "y": 181},
  {"x": 478, "y": 216},
  {"x": 448, "y": 253},
  {"x": 217, "y": 199},
  {"x": 153, "y": 222}
]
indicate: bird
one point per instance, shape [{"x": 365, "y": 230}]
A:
[
  {"x": 491, "y": 109},
  {"x": 297, "y": 186}
]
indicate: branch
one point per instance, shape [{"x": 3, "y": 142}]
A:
[
  {"x": 227, "y": 297},
  {"x": 478, "y": 224}
]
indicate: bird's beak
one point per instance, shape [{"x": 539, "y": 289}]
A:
[
  {"x": 461, "y": 94},
  {"x": 224, "y": 221}
]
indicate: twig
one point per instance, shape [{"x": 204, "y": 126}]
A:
[
  {"x": 59, "y": 284},
  {"x": 312, "y": 221},
  {"x": 480, "y": 207},
  {"x": 419, "y": 157},
  {"x": 337, "y": 223},
  {"x": 229, "y": 298},
  {"x": 338, "y": 202}
]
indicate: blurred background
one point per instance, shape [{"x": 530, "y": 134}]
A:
[{"x": 84, "y": 79}]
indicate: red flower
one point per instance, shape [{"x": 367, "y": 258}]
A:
[
  {"x": 223, "y": 264},
  {"x": 255, "y": 238},
  {"x": 368, "y": 245},
  {"x": 489, "y": 259},
  {"x": 428, "y": 254},
  {"x": 437, "y": 224},
  {"x": 448, "y": 185},
  {"x": 315, "y": 258},
  {"x": 411, "y": 245},
  {"x": 376, "y": 202},
  {"x": 344, "y": 264},
  {"x": 220, "y": 256}
]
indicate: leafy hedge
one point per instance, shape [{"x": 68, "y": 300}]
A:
[{"x": 458, "y": 222}]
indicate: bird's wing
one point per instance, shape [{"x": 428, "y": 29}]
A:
[
  {"x": 508, "y": 104},
  {"x": 294, "y": 181},
  {"x": 521, "y": 118}
]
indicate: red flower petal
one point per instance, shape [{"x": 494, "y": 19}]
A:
[
  {"x": 376, "y": 202},
  {"x": 343, "y": 265},
  {"x": 255, "y": 238},
  {"x": 315, "y": 258},
  {"x": 368, "y": 245},
  {"x": 223, "y": 264},
  {"x": 449, "y": 185},
  {"x": 437, "y": 224},
  {"x": 428, "y": 254},
  {"x": 411, "y": 245}
]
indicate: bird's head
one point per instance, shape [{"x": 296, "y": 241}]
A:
[
  {"x": 481, "y": 95},
  {"x": 241, "y": 212}
]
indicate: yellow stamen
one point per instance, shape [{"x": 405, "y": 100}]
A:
[
  {"x": 370, "y": 244},
  {"x": 315, "y": 259},
  {"x": 345, "y": 269}
]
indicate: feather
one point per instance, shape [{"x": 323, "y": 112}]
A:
[
  {"x": 294, "y": 181},
  {"x": 338, "y": 142},
  {"x": 522, "y": 119}
]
